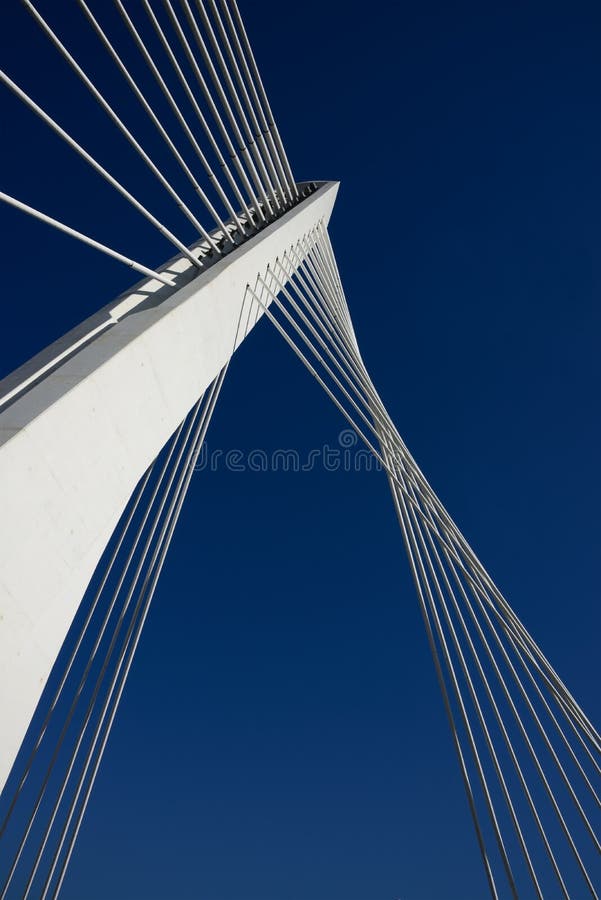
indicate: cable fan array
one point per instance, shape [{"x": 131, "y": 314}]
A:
[
  {"x": 48, "y": 791},
  {"x": 529, "y": 756},
  {"x": 202, "y": 66}
]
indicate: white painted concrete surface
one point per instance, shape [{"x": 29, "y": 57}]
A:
[{"x": 75, "y": 444}]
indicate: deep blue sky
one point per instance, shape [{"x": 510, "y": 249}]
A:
[{"x": 281, "y": 736}]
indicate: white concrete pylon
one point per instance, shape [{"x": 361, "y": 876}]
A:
[{"x": 81, "y": 423}]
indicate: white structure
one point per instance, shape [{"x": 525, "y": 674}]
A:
[
  {"x": 151, "y": 354},
  {"x": 114, "y": 414}
]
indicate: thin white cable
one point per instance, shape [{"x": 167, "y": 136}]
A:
[
  {"x": 508, "y": 697},
  {"x": 328, "y": 327},
  {"x": 260, "y": 136},
  {"x": 113, "y": 115},
  {"x": 542, "y": 698},
  {"x": 335, "y": 359},
  {"x": 329, "y": 350},
  {"x": 397, "y": 500},
  {"x": 534, "y": 756},
  {"x": 333, "y": 352},
  {"x": 317, "y": 355},
  {"x": 214, "y": 111},
  {"x": 71, "y": 142},
  {"x": 214, "y": 181},
  {"x": 261, "y": 89},
  {"x": 60, "y": 226},
  {"x": 195, "y": 106},
  {"x": 457, "y": 692},
  {"x": 267, "y": 134},
  {"x": 325, "y": 387},
  {"x": 550, "y": 749},
  {"x": 261, "y": 178},
  {"x": 424, "y": 553},
  {"x": 156, "y": 122}
]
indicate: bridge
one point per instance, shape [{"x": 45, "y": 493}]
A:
[{"x": 100, "y": 433}]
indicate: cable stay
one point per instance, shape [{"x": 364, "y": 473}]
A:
[{"x": 528, "y": 756}]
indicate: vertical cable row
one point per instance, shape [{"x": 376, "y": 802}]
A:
[
  {"x": 39, "y": 826},
  {"x": 528, "y": 755}
]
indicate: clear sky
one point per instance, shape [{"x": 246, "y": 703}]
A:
[{"x": 281, "y": 736}]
